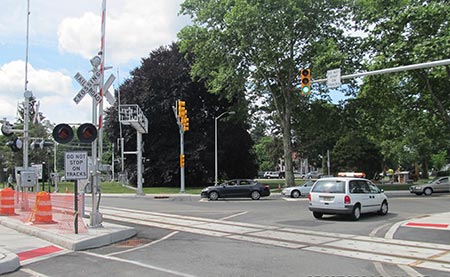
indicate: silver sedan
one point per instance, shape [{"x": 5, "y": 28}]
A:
[{"x": 297, "y": 191}]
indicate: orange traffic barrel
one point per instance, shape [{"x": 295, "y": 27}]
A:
[
  {"x": 7, "y": 202},
  {"x": 43, "y": 209}
]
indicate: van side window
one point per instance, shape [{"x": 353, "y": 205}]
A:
[{"x": 355, "y": 187}]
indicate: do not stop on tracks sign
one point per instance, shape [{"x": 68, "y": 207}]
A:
[{"x": 76, "y": 165}]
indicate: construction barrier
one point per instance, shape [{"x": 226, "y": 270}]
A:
[
  {"x": 7, "y": 202},
  {"x": 43, "y": 213}
]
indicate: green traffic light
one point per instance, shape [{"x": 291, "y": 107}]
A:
[{"x": 306, "y": 89}]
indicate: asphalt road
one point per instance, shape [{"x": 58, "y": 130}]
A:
[{"x": 171, "y": 243}]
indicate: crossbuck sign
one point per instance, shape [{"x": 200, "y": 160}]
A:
[{"x": 88, "y": 87}]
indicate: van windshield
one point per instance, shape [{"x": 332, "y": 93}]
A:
[{"x": 329, "y": 186}]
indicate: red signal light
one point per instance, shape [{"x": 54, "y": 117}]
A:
[
  {"x": 87, "y": 133},
  {"x": 62, "y": 133}
]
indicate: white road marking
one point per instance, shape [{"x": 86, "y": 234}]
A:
[
  {"x": 139, "y": 264},
  {"x": 375, "y": 231},
  {"x": 32, "y": 272},
  {"x": 411, "y": 272},
  {"x": 143, "y": 246},
  {"x": 233, "y": 215}
]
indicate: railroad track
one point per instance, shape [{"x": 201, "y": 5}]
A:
[{"x": 400, "y": 252}]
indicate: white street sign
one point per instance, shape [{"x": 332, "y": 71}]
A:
[
  {"x": 76, "y": 165},
  {"x": 334, "y": 78}
]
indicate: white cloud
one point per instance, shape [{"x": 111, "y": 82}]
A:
[
  {"x": 132, "y": 30},
  {"x": 63, "y": 37},
  {"x": 52, "y": 88}
]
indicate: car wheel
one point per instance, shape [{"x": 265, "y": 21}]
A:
[
  {"x": 317, "y": 215},
  {"x": 255, "y": 195},
  {"x": 356, "y": 213},
  {"x": 295, "y": 194},
  {"x": 427, "y": 191},
  {"x": 384, "y": 208},
  {"x": 213, "y": 195}
]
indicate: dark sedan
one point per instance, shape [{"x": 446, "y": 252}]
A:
[{"x": 236, "y": 188}]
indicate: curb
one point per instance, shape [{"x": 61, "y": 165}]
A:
[{"x": 9, "y": 261}]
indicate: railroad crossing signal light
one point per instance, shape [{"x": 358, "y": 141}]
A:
[
  {"x": 87, "y": 133},
  {"x": 16, "y": 145},
  {"x": 305, "y": 76},
  {"x": 181, "y": 160},
  {"x": 7, "y": 129},
  {"x": 41, "y": 144},
  {"x": 62, "y": 133}
]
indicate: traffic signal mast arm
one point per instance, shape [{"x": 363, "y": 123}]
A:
[{"x": 391, "y": 70}]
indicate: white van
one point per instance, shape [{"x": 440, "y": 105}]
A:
[{"x": 344, "y": 195}]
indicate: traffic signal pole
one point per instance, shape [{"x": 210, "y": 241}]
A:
[
  {"x": 182, "y": 179},
  {"x": 183, "y": 124}
]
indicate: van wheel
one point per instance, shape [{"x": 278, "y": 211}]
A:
[
  {"x": 317, "y": 215},
  {"x": 384, "y": 208},
  {"x": 356, "y": 213}
]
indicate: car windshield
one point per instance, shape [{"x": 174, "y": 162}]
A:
[{"x": 329, "y": 186}]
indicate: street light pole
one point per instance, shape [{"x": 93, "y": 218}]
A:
[{"x": 216, "y": 163}]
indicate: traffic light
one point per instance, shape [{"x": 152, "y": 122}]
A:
[
  {"x": 305, "y": 76},
  {"x": 181, "y": 109},
  {"x": 185, "y": 122},
  {"x": 182, "y": 114},
  {"x": 181, "y": 160},
  {"x": 87, "y": 133},
  {"x": 16, "y": 145},
  {"x": 62, "y": 133}
]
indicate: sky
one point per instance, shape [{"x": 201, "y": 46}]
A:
[{"x": 64, "y": 36}]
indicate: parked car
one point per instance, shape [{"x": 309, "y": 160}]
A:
[
  {"x": 313, "y": 175},
  {"x": 440, "y": 184},
  {"x": 298, "y": 175},
  {"x": 271, "y": 174},
  {"x": 345, "y": 195},
  {"x": 297, "y": 191},
  {"x": 236, "y": 188}
]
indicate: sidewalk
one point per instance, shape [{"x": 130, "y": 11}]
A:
[{"x": 15, "y": 245}]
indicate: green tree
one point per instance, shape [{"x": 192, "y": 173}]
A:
[
  {"x": 408, "y": 112},
  {"x": 354, "y": 152},
  {"x": 261, "y": 45},
  {"x": 155, "y": 86},
  {"x": 439, "y": 160}
]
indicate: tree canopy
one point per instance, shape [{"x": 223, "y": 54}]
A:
[
  {"x": 155, "y": 86},
  {"x": 262, "y": 44}
]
